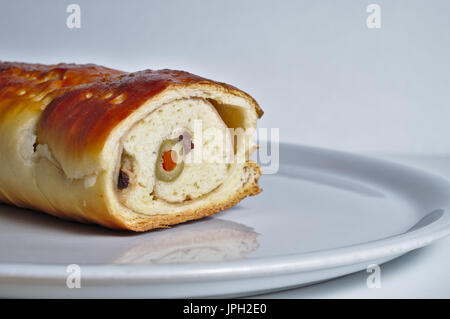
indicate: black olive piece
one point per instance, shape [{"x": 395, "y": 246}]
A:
[{"x": 123, "y": 180}]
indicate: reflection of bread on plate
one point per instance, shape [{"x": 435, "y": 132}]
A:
[
  {"x": 124, "y": 150},
  {"x": 207, "y": 241}
]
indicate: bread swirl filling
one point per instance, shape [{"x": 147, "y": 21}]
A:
[{"x": 179, "y": 152}]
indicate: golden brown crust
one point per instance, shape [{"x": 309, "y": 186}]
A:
[
  {"x": 29, "y": 76},
  {"x": 39, "y": 84}
]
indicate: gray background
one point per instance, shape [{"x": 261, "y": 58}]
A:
[{"x": 319, "y": 73}]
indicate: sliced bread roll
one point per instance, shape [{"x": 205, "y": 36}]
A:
[{"x": 130, "y": 151}]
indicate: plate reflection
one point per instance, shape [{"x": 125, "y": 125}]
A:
[{"x": 211, "y": 240}]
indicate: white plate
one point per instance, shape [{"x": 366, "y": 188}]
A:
[{"x": 325, "y": 214}]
